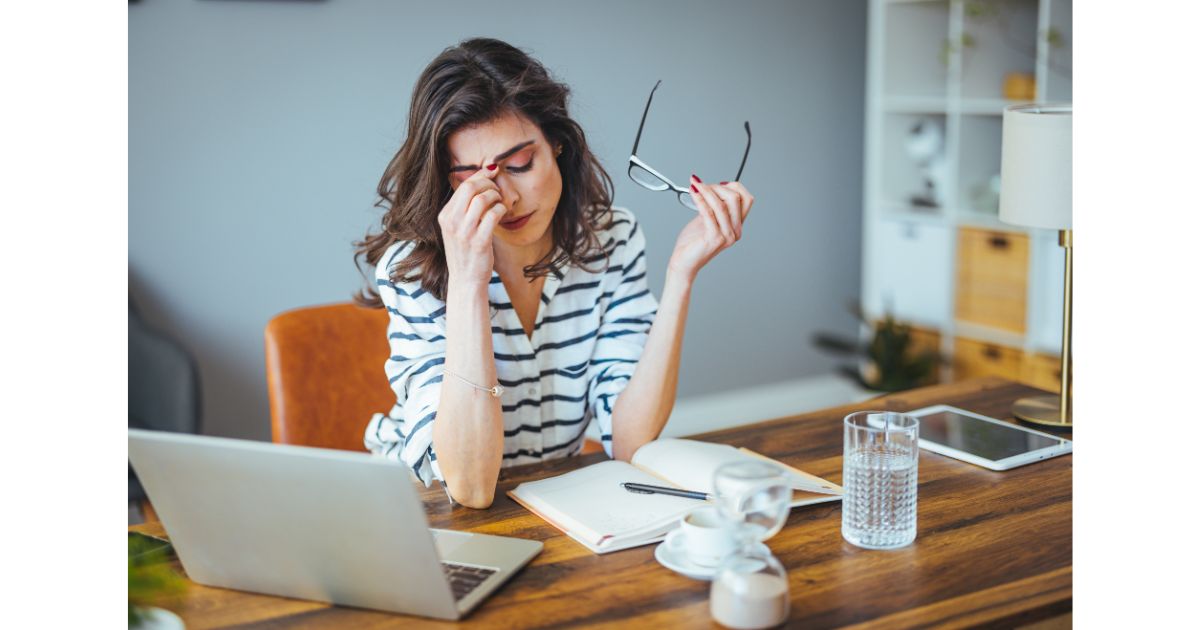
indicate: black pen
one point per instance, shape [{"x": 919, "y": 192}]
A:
[{"x": 641, "y": 488}]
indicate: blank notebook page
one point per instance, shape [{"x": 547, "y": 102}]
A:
[{"x": 591, "y": 501}]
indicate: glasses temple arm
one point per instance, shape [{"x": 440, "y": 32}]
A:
[
  {"x": 642, "y": 124},
  {"x": 744, "y": 155}
]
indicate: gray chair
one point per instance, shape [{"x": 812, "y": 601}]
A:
[{"x": 164, "y": 386}]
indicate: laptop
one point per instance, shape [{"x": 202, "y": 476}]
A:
[{"x": 317, "y": 524}]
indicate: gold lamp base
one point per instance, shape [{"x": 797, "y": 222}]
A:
[
  {"x": 1044, "y": 410},
  {"x": 1055, "y": 411}
]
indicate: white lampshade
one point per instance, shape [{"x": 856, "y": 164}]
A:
[{"x": 1035, "y": 166}]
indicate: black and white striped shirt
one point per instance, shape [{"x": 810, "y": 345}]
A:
[{"x": 587, "y": 339}]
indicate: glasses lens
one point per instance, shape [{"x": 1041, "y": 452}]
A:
[
  {"x": 646, "y": 178},
  {"x": 686, "y": 199}
]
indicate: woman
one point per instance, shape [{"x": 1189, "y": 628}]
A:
[{"x": 517, "y": 294}]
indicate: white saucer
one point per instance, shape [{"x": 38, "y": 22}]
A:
[{"x": 679, "y": 562}]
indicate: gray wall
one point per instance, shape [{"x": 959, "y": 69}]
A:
[{"x": 258, "y": 131}]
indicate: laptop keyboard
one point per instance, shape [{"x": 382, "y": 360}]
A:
[{"x": 463, "y": 579}]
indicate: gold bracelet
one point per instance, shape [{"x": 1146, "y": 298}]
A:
[{"x": 496, "y": 391}]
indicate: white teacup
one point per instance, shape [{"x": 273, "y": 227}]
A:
[{"x": 702, "y": 537}]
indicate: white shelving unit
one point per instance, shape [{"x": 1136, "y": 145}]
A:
[{"x": 920, "y": 67}]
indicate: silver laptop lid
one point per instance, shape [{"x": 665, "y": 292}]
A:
[{"x": 308, "y": 523}]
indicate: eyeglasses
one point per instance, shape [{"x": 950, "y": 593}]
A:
[{"x": 648, "y": 178}]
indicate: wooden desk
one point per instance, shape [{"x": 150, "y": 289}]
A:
[{"x": 992, "y": 548}]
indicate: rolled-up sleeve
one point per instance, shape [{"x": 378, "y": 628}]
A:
[
  {"x": 415, "y": 370},
  {"x": 625, "y": 324}
]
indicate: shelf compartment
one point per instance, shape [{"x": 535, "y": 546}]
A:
[
  {"x": 902, "y": 177},
  {"x": 991, "y": 279},
  {"x": 1004, "y": 40},
  {"x": 908, "y": 274},
  {"x": 912, "y": 42},
  {"x": 978, "y": 164},
  {"x": 974, "y": 358}
]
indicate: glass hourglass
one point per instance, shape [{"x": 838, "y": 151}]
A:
[
  {"x": 750, "y": 588},
  {"x": 752, "y": 498}
]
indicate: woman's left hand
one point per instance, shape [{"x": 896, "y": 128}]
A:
[{"x": 723, "y": 209}]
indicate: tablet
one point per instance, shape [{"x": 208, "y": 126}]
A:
[{"x": 984, "y": 441}]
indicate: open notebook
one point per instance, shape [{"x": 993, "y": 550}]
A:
[{"x": 591, "y": 506}]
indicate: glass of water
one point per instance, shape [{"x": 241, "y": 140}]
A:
[
  {"x": 879, "y": 473},
  {"x": 753, "y": 498}
]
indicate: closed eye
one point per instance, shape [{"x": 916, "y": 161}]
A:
[{"x": 521, "y": 169}]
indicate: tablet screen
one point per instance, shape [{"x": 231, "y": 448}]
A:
[{"x": 979, "y": 437}]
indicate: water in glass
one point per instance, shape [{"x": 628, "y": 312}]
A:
[{"x": 879, "y": 509}]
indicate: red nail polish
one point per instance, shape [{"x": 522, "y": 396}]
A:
[
  {"x": 697, "y": 178},
  {"x": 723, "y": 183},
  {"x": 492, "y": 167},
  {"x": 694, "y": 189}
]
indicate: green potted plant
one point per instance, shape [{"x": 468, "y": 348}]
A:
[
  {"x": 889, "y": 361},
  {"x": 152, "y": 581}
]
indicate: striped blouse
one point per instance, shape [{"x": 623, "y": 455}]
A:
[{"x": 587, "y": 339}]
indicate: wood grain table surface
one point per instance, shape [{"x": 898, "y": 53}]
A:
[{"x": 993, "y": 549}]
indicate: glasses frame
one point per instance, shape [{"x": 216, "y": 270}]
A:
[{"x": 684, "y": 194}]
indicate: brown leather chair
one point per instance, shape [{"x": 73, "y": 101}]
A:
[{"x": 325, "y": 375}]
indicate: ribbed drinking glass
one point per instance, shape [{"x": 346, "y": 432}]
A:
[{"x": 879, "y": 472}]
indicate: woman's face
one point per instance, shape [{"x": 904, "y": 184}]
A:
[{"x": 529, "y": 180}]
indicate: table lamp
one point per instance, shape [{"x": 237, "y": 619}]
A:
[{"x": 1035, "y": 191}]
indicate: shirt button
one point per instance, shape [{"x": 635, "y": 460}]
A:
[{"x": 532, "y": 391}]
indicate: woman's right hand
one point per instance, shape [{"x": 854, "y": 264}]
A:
[{"x": 467, "y": 222}]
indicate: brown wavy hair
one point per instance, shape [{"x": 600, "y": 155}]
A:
[{"x": 475, "y": 82}]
